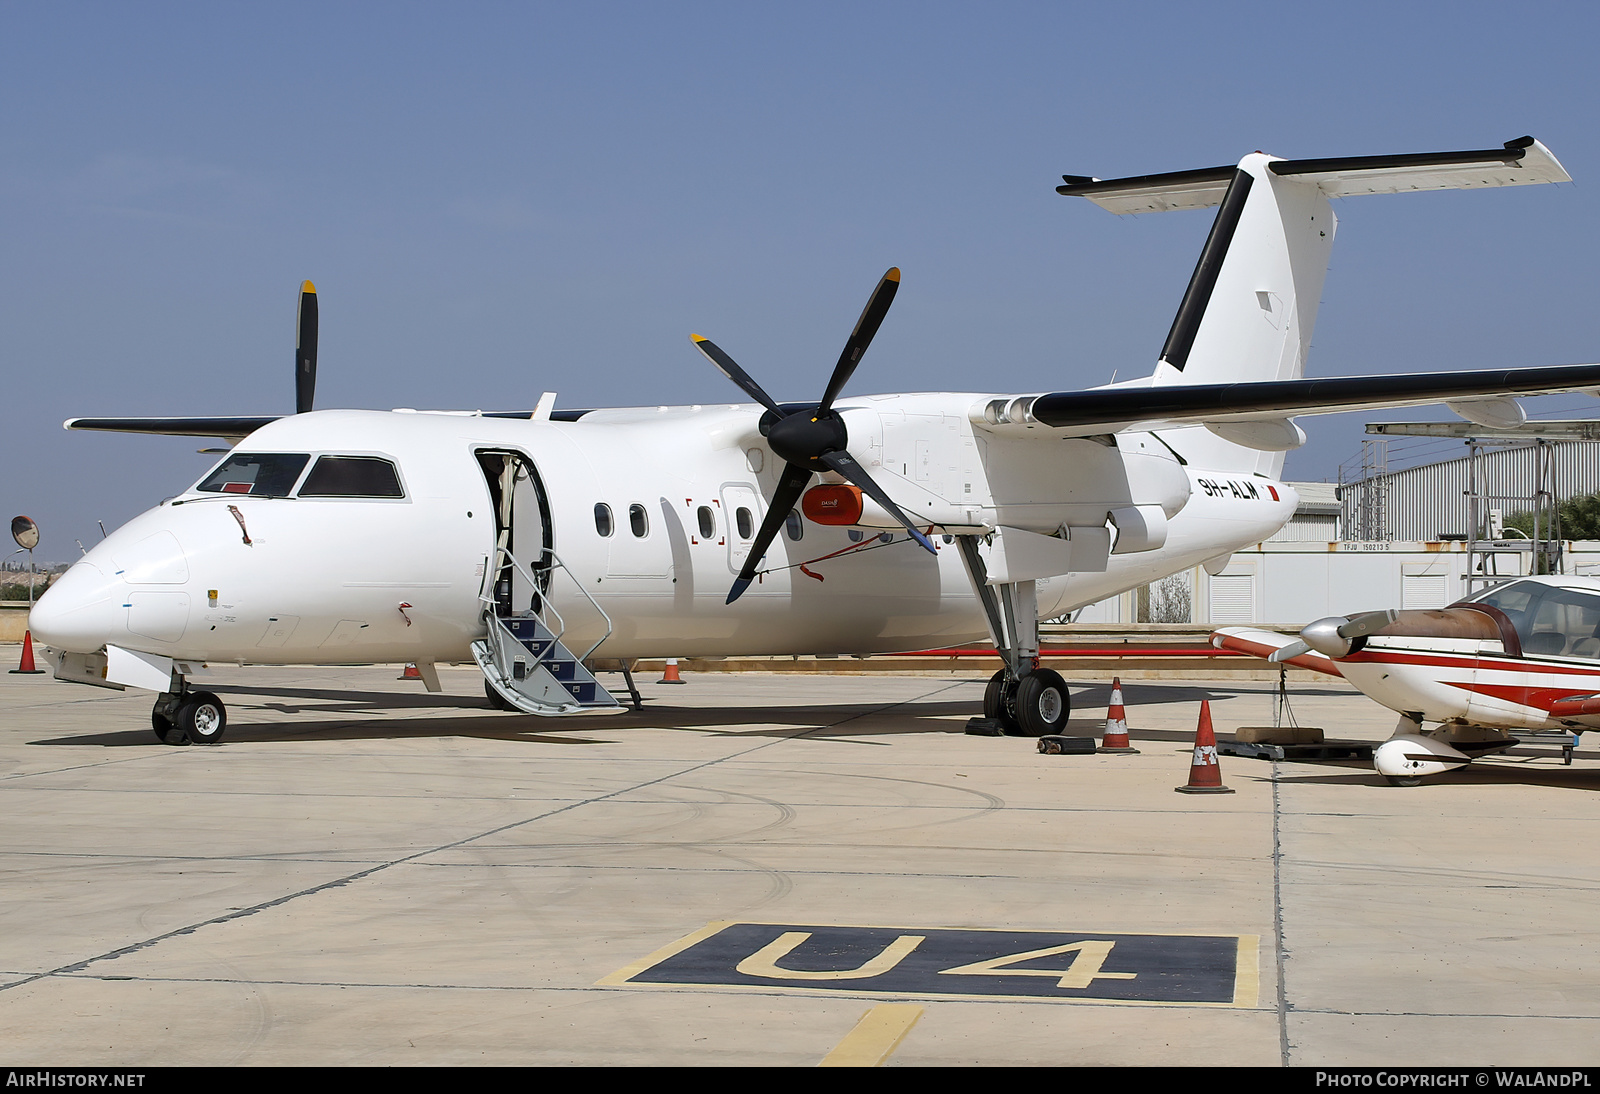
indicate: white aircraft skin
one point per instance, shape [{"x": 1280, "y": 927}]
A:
[
  {"x": 974, "y": 514},
  {"x": 323, "y": 562},
  {"x": 1474, "y": 669}
]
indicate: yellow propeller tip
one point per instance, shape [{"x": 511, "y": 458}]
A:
[
  {"x": 698, "y": 338},
  {"x": 306, "y": 286},
  {"x": 893, "y": 274}
]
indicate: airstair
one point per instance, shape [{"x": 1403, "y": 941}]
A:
[{"x": 522, "y": 655}]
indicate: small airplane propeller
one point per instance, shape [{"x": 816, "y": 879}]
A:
[
  {"x": 305, "y": 349},
  {"x": 811, "y": 438},
  {"x": 1334, "y": 635}
]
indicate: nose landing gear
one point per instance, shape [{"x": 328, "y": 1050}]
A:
[{"x": 189, "y": 717}]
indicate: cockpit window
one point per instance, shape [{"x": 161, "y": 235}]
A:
[
  {"x": 352, "y": 477},
  {"x": 259, "y": 474},
  {"x": 1549, "y": 619}
]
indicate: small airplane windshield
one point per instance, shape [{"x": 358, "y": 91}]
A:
[
  {"x": 259, "y": 474},
  {"x": 352, "y": 477},
  {"x": 1550, "y": 621}
]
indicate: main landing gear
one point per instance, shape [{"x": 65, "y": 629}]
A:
[
  {"x": 189, "y": 717},
  {"x": 1022, "y": 700},
  {"x": 1034, "y": 706}
]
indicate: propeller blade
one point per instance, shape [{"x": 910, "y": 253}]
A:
[
  {"x": 729, "y": 368},
  {"x": 305, "y": 350},
  {"x": 860, "y": 338},
  {"x": 1292, "y": 650},
  {"x": 1364, "y": 623},
  {"x": 790, "y": 487},
  {"x": 845, "y": 464}
]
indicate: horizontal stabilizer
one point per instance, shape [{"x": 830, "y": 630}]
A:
[
  {"x": 1110, "y": 409},
  {"x": 1523, "y": 161}
]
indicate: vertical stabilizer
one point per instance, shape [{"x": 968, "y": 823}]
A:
[{"x": 1248, "y": 312}]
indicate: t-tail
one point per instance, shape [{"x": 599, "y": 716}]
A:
[{"x": 1251, "y": 303}]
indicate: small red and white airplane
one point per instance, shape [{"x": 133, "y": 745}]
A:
[
  {"x": 534, "y": 541},
  {"x": 1524, "y": 654}
]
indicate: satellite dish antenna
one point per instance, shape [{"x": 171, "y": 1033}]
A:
[{"x": 25, "y": 532}]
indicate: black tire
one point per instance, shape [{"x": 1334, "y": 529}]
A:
[
  {"x": 166, "y": 732},
  {"x": 498, "y": 701},
  {"x": 1403, "y": 780},
  {"x": 201, "y": 718},
  {"x": 997, "y": 701},
  {"x": 1042, "y": 704}
]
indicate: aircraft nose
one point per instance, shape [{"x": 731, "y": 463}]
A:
[{"x": 78, "y": 612}]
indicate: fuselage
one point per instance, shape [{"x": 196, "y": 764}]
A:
[
  {"x": 1506, "y": 659},
  {"x": 650, "y": 512}
]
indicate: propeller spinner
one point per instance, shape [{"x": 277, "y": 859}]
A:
[
  {"x": 1335, "y": 635},
  {"x": 812, "y": 439}
]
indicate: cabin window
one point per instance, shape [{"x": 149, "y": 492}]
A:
[
  {"x": 259, "y": 474},
  {"x": 708, "y": 522},
  {"x": 744, "y": 522},
  {"x": 792, "y": 525},
  {"x": 638, "y": 520},
  {"x": 602, "y": 518},
  {"x": 352, "y": 477}
]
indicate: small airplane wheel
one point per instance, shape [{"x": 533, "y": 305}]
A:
[
  {"x": 1042, "y": 704},
  {"x": 166, "y": 732},
  {"x": 998, "y": 700},
  {"x": 498, "y": 701},
  {"x": 202, "y": 718},
  {"x": 1403, "y": 780}
]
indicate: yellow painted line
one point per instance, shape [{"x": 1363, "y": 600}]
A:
[
  {"x": 671, "y": 949},
  {"x": 875, "y": 1037},
  {"x": 1247, "y": 974}
]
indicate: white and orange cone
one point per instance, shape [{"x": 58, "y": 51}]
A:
[
  {"x": 1205, "y": 773},
  {"x": 411, "y": 673},
  {"x": 1116, "y": 738},
  {"x": 671, "y": 676}
]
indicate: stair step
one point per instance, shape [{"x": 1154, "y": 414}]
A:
[{"x": 529, "y": 661}]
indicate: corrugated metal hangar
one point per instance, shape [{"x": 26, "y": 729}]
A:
[{"x": 1410, "y": 542}]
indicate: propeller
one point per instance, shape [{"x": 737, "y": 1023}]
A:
[
  {"x": 305, "y": 349},
  {"x": 1334, "y": 636},
  {"x": 811, "y": 438}
]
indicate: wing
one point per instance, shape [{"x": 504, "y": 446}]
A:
[
  {"x": 1263, "y": 644},
  {"x": 232, "y": 429},
  {"x": 1105, "y": 410}
]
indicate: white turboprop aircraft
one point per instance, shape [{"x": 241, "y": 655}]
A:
[
  {"x": 535, "y": 541},
  {"x": 1524, "y": 654}
]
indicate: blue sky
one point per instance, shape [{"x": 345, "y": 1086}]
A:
[{"x": 499, "y": 199}]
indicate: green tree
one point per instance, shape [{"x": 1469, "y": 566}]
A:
[{"x": 1580, "y": 518}]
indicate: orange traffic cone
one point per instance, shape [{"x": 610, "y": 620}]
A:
[
  {"x": 671, "y": 675},
  {"x": 1116, "y": 739},
  {"x": 1205, "y": 774},
  {"x": 27, "y": 665},
  {"x": 411, "y": 673}
]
